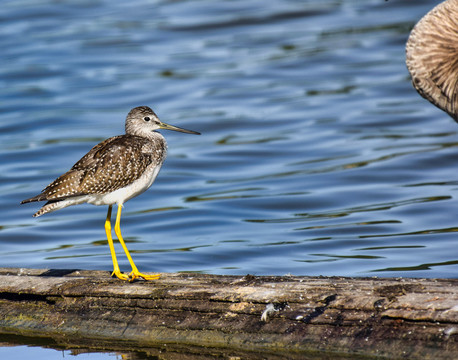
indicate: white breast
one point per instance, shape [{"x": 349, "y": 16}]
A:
[{"x": 120, "y": 196}]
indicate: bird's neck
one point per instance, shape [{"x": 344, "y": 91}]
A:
[{"x": 149, "y": 135}]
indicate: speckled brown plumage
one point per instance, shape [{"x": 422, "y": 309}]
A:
[
  {"x": 432, "y": 57},
  {"x": 109, "y": 166}
]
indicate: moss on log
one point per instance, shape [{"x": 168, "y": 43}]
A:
[{"x": 392, "y": 318}]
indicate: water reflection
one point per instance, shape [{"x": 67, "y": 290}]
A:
[{"x": 15, "y": 346}]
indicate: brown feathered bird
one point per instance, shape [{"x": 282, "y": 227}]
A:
[{"x": 432, "y": 57}]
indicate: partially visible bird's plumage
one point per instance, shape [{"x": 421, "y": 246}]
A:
[{"x": 432, "y": 57}]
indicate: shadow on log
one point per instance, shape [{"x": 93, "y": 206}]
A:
[{"x": 267, "y": 316}]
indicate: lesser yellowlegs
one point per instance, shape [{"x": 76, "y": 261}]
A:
[{"x": 113, "y": 172}]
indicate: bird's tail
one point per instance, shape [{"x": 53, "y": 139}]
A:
[{"x": 39, "y": 197}]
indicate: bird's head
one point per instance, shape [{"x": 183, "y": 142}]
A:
[{"x": 141, "y": 121}]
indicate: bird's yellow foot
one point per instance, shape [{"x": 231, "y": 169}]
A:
[
  {"x": 136, "y": 274},
  {"x": 120, "y": 275}
]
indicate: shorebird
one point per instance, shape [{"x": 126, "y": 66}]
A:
[
  {"x": 113, "y": 172},
  {"x": 432, "y": 57}
]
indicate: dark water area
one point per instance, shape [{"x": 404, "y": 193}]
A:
[{"x": 317, "y": 156}]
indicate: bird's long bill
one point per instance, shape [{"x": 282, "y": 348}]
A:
[{"x": 176, "y": 128}]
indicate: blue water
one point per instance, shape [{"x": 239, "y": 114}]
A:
[{"x": 317, "y": 157}]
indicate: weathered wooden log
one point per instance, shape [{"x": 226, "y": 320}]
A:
[{"x": 275, "y": 315}]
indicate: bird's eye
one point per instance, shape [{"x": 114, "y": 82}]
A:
[{"x": 146, "y": 118}]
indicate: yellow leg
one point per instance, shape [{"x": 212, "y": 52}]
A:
[
  {"x": 135, "y": 273},
  {"x": 116, "y": 271}
]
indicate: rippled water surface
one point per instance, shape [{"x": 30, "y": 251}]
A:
[{"x": 317, "y": 157}]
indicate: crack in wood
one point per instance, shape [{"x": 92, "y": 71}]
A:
[{"x": 24, "y": 297}]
